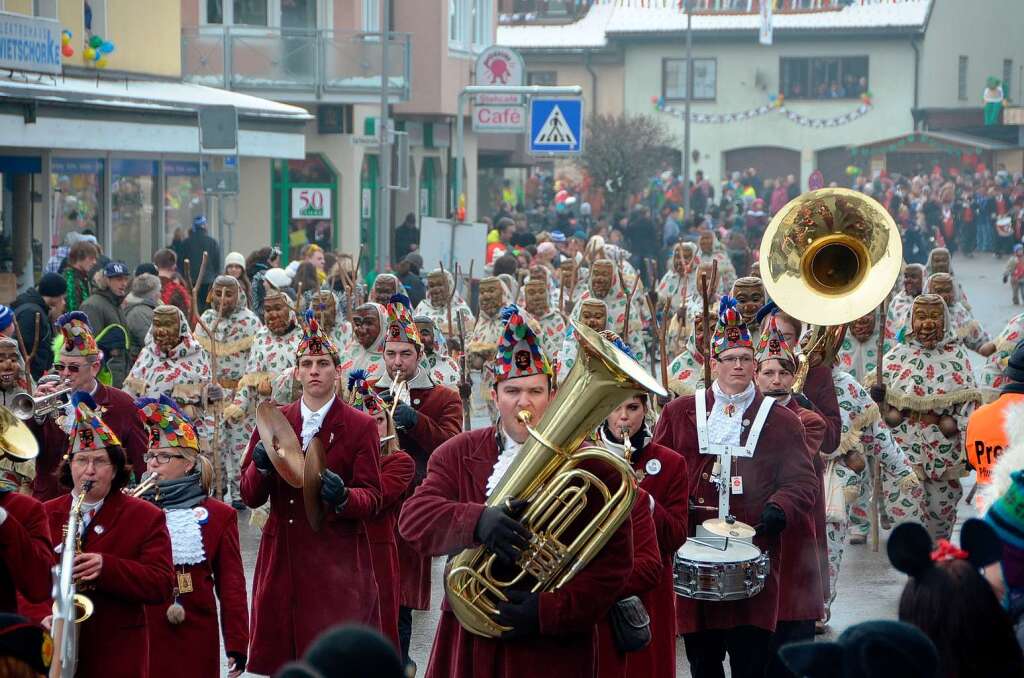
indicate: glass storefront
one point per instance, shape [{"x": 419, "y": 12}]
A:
[
  {"x": 184, "y": 199},
  {"x": 78, "y": 197},
  {"x": 133, "y": 201}
]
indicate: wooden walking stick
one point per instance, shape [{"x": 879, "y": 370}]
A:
[
  {"x": 204, "y": 393},
  {"x": 26, "y": 354},
  {"x": 659, "y": 333},
  {"x": 705, "y": 295},
  {"x": 629, "y": 305},
  {"x": 448, "y": 306},
  {"x": 876, "y": 463}
]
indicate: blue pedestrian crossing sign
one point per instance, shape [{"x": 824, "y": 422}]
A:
[{"x": 556, "y": 126}]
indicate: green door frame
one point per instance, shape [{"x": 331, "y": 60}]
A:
[
  {"x": 428, "y": 181},
  {"x": 282, "y": 192},
  {"x": 368, "y": 223}
]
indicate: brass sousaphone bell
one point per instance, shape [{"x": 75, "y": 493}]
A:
[
  {"x": 827, "y": 258},
  {"x": 16, "y": 440}
]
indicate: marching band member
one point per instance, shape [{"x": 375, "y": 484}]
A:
[
  {"x": 553, "y": 633},
  {"x": 927, "y": 395},
  {"x": 663, "y": 479},
  {"x": 184, "y": 639},
  {"x": 125, "y": 559},
  {"x": 26, "y": 552},
  {"x": 79, "y": 364},
  {"x": 396, "y": 472},
  {"x": 426, "y": 415},
  {"x": 306, "y": 581},
  {"x": 801, "y": 590},
  {"x": 774, "y": 486}
]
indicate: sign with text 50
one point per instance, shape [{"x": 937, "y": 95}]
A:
[{"x": 311, "y": 203}]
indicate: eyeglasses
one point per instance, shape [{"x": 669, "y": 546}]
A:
[
  {"x": 161, "y": 458},
  {"x": 737, "y": 360},
  {"x": 73, "y": 369},
  {"x": 96, "y": 462}
]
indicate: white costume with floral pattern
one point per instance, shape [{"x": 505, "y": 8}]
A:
[
  {"x": 992, "y": 377},
  {"x": 860, "y": 358},
  {"x": 355, "y": 357},
  {"x": 615, "y": 300}
]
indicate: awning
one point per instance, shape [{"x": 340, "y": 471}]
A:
[
  {"x": 927, "y": 141},
  {"x": 148, "y": 116}
]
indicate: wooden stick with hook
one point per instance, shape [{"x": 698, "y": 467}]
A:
[
  {"x": 659, "y": 333},
  {"x": 705, "y": 295},
  {"x": 451, "y": 296},
  {"x": 629, "y": 305},
  {"x": 26, "y": 354},
  {"x": 214, "y": 371}
]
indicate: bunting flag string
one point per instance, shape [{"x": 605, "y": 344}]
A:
[{"x": 803, "y": 120}]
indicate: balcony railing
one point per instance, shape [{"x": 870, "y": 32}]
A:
[
  {"x": 295, "y": 64},
  {"x": 515, "y": 12}
]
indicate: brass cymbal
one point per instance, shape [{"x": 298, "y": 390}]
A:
[
  {"x": 282, "y": 444},
  {"x": 722, "y": 528},
  {"x": 312, "y": 467},
  {"x": 16, "y": 439}
]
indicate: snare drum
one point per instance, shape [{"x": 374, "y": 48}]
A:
[{"x": 717, "y": 568}]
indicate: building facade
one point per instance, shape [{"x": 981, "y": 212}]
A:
[{"x": 841, "y": 82}]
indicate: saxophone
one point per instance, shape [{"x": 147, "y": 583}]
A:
[
  {"x": 70, "y": 608},
  {"x": 546, "y": 474}
]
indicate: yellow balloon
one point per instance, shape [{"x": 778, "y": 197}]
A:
[
  {"x": 65, "y": 40},
  {"x": 101, "y": 62},
  {"x": 89, "y": 53}
]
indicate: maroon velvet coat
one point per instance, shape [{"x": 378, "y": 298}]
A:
[
  {"x": 307, "y": 581},
  {"x": 820, "y": 390},
  {"x": 647, "y": 570},
  {"x": 800, "y": 595},
  {"x": 26, "y": 552},
  {"x": 668, "y": 487},
  {"x": 440, "y": 410},
  {"x": 396, "y": 471},
  {"x": 137, "y": 571},
  {"x": 440, "y": 518},
  {"x": 192, "y": 648},
  {"x": 779, "y": 473},
  {"x": 120, "y": 415}
]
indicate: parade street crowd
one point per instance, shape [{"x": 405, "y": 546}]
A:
[{"x": 671, "y": 450}]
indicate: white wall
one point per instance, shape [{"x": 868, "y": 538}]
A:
[
  {"x": 986, "y": 32},
  {"x": 890, "y": 79},
  {"x": 254, "y": 206}
]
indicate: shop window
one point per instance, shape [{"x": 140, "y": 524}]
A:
[
  {"x": 823, "y": 77},
  {"x": 77, "y": 185},
  {"x": 184, "y": 199},
  {"x": 133, "y": 200},
  {"x": 237, "y": 12},
  {"x": 1007, "y": 76},
  {"x": 673, "y": 79},
  {"x": 961, "y": 79},
  {"x": 542, "y": 78}
]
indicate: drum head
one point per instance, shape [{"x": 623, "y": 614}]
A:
[{"x": 717, "y": 550}]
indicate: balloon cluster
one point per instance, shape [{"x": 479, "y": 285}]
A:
[
  {"x": 65, "y": 44},
  {"x": 776, "y": 99},
  {"x": 460, "y": 213},
  {"x": 96, "y": 51},
  {"x": 866, "y": 98},
  {"x": 852, "y": 170}
]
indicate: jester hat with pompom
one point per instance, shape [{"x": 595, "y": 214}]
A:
[
  {"x": 361, "y": 396},
  {"x": 519, "y": 352},
  {"x": 167, "y": 425},
  {"x": 401, "y": 326},
  {"x": 77, "y": 335},
  {"x": 314, "y": 340},
  {"x": 731, "y": 331},
  {"x": 89, "y": 432}
]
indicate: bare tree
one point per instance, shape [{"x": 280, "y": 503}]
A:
[{"x": 622, "y": 152}]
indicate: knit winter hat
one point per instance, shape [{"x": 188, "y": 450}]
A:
[
  {"x": 6, "y": 317},
  {"x": 78, "y": 338},
  {"x": 145, "y": 284},
  {"x": 873, "y": 649},
  {"x": 167, "y": 425},
  {"x": 1015, "y": 365},
  {"x": 401, "y": 326},
  {"x": 52, "y": 285},
  {"x": 235, "y": 258},
  {"x": 519, "y": 352},
  {"x": 1006, "y": 515},
  {"x": 731, "y": 331},
  {"x": 89, "y": 431}
]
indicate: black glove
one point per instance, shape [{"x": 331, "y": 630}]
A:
[
  {"x": 1006, "y": 279},
  {"x": 406, "y": 417},
  {"x": 333, "y": 490},
  {"x": 240, "y": 660},
  {"x": 261, "y": 459},
  {"x": 877, "y": 392},
  {"x": 803, "y": 401},
  {"x": 501, "y": 533},
  {"x": 521, "y": 612},
  {"x": 773, "y": 521}
]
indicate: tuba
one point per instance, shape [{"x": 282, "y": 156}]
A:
[
  {"x": 828, "y": 257},
  {"x": 546, "y": 474}
]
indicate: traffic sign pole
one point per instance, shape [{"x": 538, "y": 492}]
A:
[{"x": 460, "y": 124}]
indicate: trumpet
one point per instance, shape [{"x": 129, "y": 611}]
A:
[
  {"x": 70, "y": 608},
  {"x": 148, "y": 481},
  {"x": 25, "y": 407}
]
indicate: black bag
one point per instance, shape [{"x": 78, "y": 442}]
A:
[{"x": 631, "y": 625}]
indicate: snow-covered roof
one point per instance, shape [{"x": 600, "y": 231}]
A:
[
  {"x": 153, "y": 95},
  {"x": 611, "y": 20}
]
